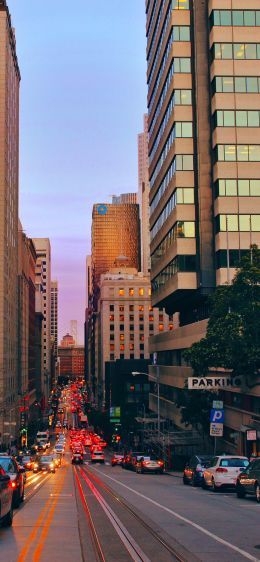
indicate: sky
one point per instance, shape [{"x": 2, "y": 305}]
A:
[{"x": 82, "y": 100}]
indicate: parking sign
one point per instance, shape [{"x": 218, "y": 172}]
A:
[{"x": 216, "y": 416}]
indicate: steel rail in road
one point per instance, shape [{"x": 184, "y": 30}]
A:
[{"x": 172, "y": 551}]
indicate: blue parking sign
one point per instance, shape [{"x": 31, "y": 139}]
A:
[{"x": 216, "y": 416}]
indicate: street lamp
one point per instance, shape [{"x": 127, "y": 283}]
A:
[{"x": 155, "y": 379}]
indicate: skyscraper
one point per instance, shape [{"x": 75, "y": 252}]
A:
[
  {"x": 74, "y": 330},
  {"x": 9, "y": 155},
  {"x": 143, "y": 196},
  {"x": 43, "y": 277},
  {"x": 54, "y": 315},
  {"x": 203, "y": 62}
]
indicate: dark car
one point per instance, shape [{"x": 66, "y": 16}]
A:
[
  {"x": 44, "y": 463},
  {"x": 130, "y": 460},
  {"x": 6, "y": 496},
  {"x": 149, "y": 464},
  {"x": 117, "y": 459},
  {"x": 26, "y": 461},
  {"x": 248, "y": 482},
  {"x": 16, "y": 473},
  {"x": 194, "y": 469},
  {"x": 77, "y": 458}
]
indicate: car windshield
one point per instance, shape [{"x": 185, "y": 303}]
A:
[
  {"x": 26, "y": 459},
  {"x": 7, "y": 465},
  {"x": 46, "y": 459},
  {"x": 234, "y": 463},
  {"x": 59, "y": 447},
  {"x": 205, "y": 461}
]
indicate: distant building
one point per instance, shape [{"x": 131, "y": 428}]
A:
[
  {"x": 143, "y": 197},
  {"x": 54, "y": 316},
  {"x": 9, "y": 180},
  {"x": 124, "y": 199},
  {"x": 67, "y": 341},
  {"x": 71, "y": 358},
  {"x": 74, "y": 330},
  {"x": 43, "y": 279}
]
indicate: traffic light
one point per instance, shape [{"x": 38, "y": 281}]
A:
[
  {"x": 23, "y": 434},
  {"x": 118, "y": 438}
]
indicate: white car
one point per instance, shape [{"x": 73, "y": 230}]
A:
[
  {"x": 223, "y": 471},
  {"x": 59, "y": 449}
]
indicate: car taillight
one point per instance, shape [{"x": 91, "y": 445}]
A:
[
  {"x": 146, "y": 462},
  {"x": 160, "y": 463},
  {"x": 220, "y": 469},
  {"x": 13, "y": 484}
]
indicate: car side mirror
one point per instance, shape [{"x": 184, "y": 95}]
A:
[{"x": 4, "y": 478}]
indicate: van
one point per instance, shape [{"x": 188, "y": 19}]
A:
[{"x": 44, "y": 437}]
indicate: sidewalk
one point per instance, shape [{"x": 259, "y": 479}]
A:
[{"x": 174, "y": 473}]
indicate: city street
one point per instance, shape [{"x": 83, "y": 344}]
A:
[{"x": 103, "y": 513}]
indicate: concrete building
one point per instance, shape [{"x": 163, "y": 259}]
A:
[
  {"x": 71, "y": 358},
  {"x": 125, "y": 319},
  {"x": 9, "y": 181},
  {"x": 54, "y": 316},
  {"x": 43, "y": 280},
  {"x": 143, "y": 197},
  {"x": 124, "y": 199},
  {"x": 203, "y": 73}
]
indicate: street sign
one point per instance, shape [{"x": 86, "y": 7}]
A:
[
  {"x": 251, "y": 435},
  {"x": 115, "y": 420},
  {"x": 213, "y": 383},
  {"x": 217, "y": 415},
  {"x": 115, "y": 412},
  {"x": 217, "y": 404},
  {"x": 216, "y": 429}
]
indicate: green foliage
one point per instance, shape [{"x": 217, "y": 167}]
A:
[
  {"x": 195, "y": 408},
  {"x": 232, "y": 340}
]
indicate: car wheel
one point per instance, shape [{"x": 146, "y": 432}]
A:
[
  {"x": 257, "y": 492},
  {"x": 215, "y": 488},
  {"x": 8, "y": 519},
  {"x": 16, "y": 500},
  {"x": 204, "y": 484},
  {"x": 185, "y": 482},
  {"x": 240, "y": 492},
  {"x": 22, "y": 496},
  {"x": 193, "y": 482}
]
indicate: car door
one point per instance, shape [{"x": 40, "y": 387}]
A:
[
  {"x": 5, "y": 494},
  {"x": 254, "y": 475},
  {"x": 210, "y": 471}
]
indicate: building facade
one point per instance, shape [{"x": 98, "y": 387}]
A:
[
  {"x": 203, "y": 73},
  {"x": 143, "y": 197},
  {"x": 71, "y": 358},
  {"x": 54, "y": 315},
  {"x": 125, "y": 320},
  {"x": 9, "y": 180},
  {"x": 43, "y": 280}
]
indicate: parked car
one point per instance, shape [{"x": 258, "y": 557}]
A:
[
  {"x": 248, "y": 481},
  {"x": 194, "y": 469},
  {"x": 149, "y": 464},
  {"x": 6, "y": 499},
  {"x": 129, "y": 461},
  {"x": 16, "y": 473},
  {"x": 117, "y": 459},
  {"x": 223, "y": 471},
  {"x": 77, "y": 458}
]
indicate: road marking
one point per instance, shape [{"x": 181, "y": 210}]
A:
[
  {"x": 45, "y": 531},
  {"x": 188, "y": 521}
]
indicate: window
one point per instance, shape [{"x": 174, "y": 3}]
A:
[
  {"x": 170, "y": 327},
  {"x": 239, "y": 51},
  {"x": 141, "y": 292},
  {"x": 131, "y": 337},
  {"x": 111, "y": 308},
  {"x": 237, "y": 153},
  {"x": 121, "y": 327},
  {"x": 141, "y": 337},
  {"x": 179, "y": 263},
  {"x": 241, "y": 187},
  {"x": 236, "y": 18},
  {"x": 122, "y": 346},
  {"x": 235, "y": 223},
  {"x": 161, "y": 327},
  {"x": 121, "y": 317},
  {"x": 122, "y": 337},
  {"x": 112, "y": 337},
  {"x": 131, "y": 346},
  {"x": 151, "y": 318},
  {"x": 141, "y": 327},
  {"x": 112, "y": 327},
  {"x": 121, "y": 308},
  {"x": 180, "y": 4},
  {"x": 131, "y": 327},
  {"x": 121, "y": 292},
  {"x": 142, "y": 346},
  {"x": 122, "y": 356},
  {"x": 112, "y": 347},
  {"x": 111, "y": 317},
  {"x": 182, "y": 65},
  {"x": 150, "y": 327},
  {"x": 131, "y": 292},
  {"x": 141, "y": 308},
  {"x": 131, "y": 307},
  {"x": 112, "y": 357},
  {"x": 141, "y": 317},
  {"x": 150, "y": 292},
  {"x": 160, "y": 317},
  {"x": 141, "y": 355},
  {"x": 181, "y": 33},
  {"x": 180, "y": 229},
  {"x": 131, "y": 317}
]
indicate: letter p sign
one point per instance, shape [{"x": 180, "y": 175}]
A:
[{"x": 217, "y": 416}]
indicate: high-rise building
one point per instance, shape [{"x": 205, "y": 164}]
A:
[
  {"x": 74, "y": 330},
  {"x": 88, "y": 280},
  {"x": 54, "y": 315},
  {"x": 71, "y": 358},
  {"x": 203, "y": 72},
  {"x": 143, "y": 197},
  {"x": 115, "y": 232},
  {"x": 43, "y": 278},
  {"x": 9, "y": 180},
  {"x": 124, "y": 199}
]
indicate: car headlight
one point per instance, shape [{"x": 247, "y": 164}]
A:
[
  {"x": 52, "y": 465},
  {"x": 35, "y": 465}
]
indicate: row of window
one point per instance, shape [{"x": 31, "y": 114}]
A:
[
  {"x": 159, "y": 46},
  {"x": 178, "y": 264},
  {"x": 165, "y": 88},
  {"x": 122, "y": 356},
  {"x": 180, "y": 4},
  {"x": 240, "y": 18},
  {"x": 158, "y": 19},
  {"x": 132, "y": 327},
  {"x": 162, "y": 66},
  {"x": 179, "y": 97},
  {"x": 131, "y": 308},
  {"x": 180, "y": 162},
  {"x": 237, "y": 153},
  {"x": 131, "y": 318},
  {"x": 236, "y": 118},
  {"x": 181, "y": 129},
  {"x": 237, "y": 223},
  {"x": 181, "y": 229},
  {"x": 179, "y": 64},
  {"x": 239, "y": 51},
  {"x": 241, "y": 188},
  {"x": 122, "y": 346},
  {"x": 237, "y": 84},
  {"x": 179, "y": 197},
  {"x": 131, "y": 292},
  {"x": 234, "y": 257}
]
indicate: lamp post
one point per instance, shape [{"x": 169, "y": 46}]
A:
[{"x": 155, "y": 379}]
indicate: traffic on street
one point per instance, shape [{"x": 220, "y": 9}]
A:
[{"x": 76, "y": 497}]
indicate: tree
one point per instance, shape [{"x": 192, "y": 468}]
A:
[
  {"x": 195, "y": 408},
  {"x": 232, "y": 340}
]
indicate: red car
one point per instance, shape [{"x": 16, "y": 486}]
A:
[{"x": 117, "y": 459}]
